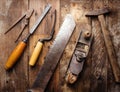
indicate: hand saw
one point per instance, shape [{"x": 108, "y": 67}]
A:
[{"x": 54, "y": 55}]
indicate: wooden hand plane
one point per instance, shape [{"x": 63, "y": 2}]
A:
[{"x": 79, "y": 56}]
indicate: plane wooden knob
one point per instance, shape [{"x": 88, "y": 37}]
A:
[
  {"x": 35, "y": 53},
  {"x": 16, "y": 53},
  {"x": 87, "y": 35}
]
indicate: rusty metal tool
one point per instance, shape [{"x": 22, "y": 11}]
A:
[
  {"x": 17, "y": 52},
  {"x": 27, "y": 16},
  {"x": 40, "y": 42},
  {"x": 54, "y": 55},
  {"x": 109, "y": 46},
  {"x": 80, "y": 54}
]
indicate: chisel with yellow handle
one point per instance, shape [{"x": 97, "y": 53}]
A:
[
  {"x": 17, "y": 52},
  {"x": 39, "y": 45}
]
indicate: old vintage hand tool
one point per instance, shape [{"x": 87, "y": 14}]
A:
[
  {"x": 54, "y": 55},
  {"x": 27, "y": 16},
  {"x": 39, "y": 45},
  {"x": 109, "y": 46},
  {"x": 17, "y": 52},
  {"x": 80, "y": 54}
]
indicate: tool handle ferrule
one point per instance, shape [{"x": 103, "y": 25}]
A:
[{"x": 27, "y": 38}]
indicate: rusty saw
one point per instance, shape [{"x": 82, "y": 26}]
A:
[{"x": 54, "y": 55}]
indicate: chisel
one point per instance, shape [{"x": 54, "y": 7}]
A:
[
  {"x": 40, "y": 43},
  {"x": 17, "y": 52}
]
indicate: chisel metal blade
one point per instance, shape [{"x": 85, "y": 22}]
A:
[
  {"x": 54, "y": 55},
  {"x": 47, "y": 8}
]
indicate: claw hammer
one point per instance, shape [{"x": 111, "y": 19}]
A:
[{"x": 109, "y": 46}]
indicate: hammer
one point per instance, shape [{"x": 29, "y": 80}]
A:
[{"x": 109, "y": 46}]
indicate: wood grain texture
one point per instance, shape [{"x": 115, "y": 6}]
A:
[
  {"x": 113, "y": 20},
  {"x": 13, "y": 80},
  {"x": 78, "y": 10},
  {"x": 43, "y": 31},
  {"x": 53, "y": 85},
  {"x": 38, "y": 5},
  {"x": 99, "y": 58},
  {"x": 97, "y": 75}
]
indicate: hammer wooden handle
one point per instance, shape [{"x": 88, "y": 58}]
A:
[
  {"x": 110, "y": 49},
  {"x": 16, "y": 53},
  {"x": 35, "y": 53}
]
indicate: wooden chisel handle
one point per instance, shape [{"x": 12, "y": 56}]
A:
[
  {"x": 16, "y": 53},
  {"x": 110, "y": 49},
  {"x": 35, "y": 53}
]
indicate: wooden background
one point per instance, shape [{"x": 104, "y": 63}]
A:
[{"x": 96, "y": 76}]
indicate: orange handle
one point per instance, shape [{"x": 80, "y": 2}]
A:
[
  {"x": 16, "y": 53},
  {"x": 35, "y": 53}
]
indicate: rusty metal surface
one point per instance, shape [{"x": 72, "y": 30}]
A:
[
  {"x": 98, "y": 12},
  {"x": 47, "y": 8},
  {"x": 97, "y": 75},
  {"x": 27, "y": 16},
  {"x": 80, "y": 54},
  {"x": 53, "y": 28},
  {"x": 54, "y": 54}
]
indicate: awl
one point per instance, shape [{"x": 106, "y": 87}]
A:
[
  {"x": 54, "y": 55},
  {"x": 17, "y": 52}
]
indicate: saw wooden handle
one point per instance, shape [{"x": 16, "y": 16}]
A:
[
  {"x": 16, "y": 53},
  {"x": 35, "y": 53},
  {"x": 110, "y": 49}
]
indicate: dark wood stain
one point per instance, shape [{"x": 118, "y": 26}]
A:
[{"x": 97, "y": 75}]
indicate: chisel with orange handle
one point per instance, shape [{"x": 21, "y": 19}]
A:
[
  {"x": 17, "y": 52},
  {"x": 39, "y": 45}
]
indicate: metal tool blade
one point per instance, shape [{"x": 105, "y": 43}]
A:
[
  {"x": 77, "y": 66},
  {"x": 54, "y": 54},
  {"x": 13, "y": 25},
  {"x": 47, "y": 8},
  {"x": 29, "y": 13}
]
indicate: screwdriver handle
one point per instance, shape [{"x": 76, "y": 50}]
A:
[
  {"x": 16, "y": 53},
  {"x": 36, "y": 53}
]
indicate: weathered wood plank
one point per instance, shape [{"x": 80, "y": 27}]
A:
[
  {"x": 97, "y": 75},
  {"x": 99, "y": 54},
  {"x": 53, "y": 85},
  {"x": 38, "y": 6},
  {"x": 113, "y": 21},
  {"x": 16, "y": 79},
  {"x": 78, "y": 10},
  {"x": 43, "y": 31}
]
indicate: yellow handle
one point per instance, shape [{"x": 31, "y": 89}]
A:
[
  {"x": 16, "y": 53},
  {"x": 35, "y": 53}
]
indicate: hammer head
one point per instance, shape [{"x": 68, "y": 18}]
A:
[{"x": 98, "y": 12}]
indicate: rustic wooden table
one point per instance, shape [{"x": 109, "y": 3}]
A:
[{"x": 96, "y": 76}]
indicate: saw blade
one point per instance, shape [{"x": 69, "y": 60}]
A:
[{"x": 54, "y": 54}]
